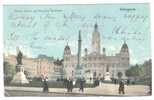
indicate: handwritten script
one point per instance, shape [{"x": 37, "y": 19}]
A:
[{"x": 45, "y": 19}]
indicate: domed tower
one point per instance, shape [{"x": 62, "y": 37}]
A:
[
  {"x": 67, "y": 52},
  {"x": 96, "y": 40},
  {"x": 67, "y": 62},
  {"x": 124, "y": 48},
  {"x": 124, "y": 53}
]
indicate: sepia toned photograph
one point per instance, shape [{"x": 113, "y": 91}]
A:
[{"x": 77, "y": 50}]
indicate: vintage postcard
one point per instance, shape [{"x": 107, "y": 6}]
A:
[{"x": 77, "y": 50}]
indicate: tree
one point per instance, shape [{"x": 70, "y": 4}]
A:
[
  {"x": 119, "y": 75},
  {"x": 9, "y": 71},
  {"x": 128, "y": 73},
  {"x": 146, "y": 73},
  {"x": 141, "y": 72}
]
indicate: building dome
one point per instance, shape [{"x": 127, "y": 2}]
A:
[
  {"x": 124, "y": 47},
  {"x": 67, "y": 50}
]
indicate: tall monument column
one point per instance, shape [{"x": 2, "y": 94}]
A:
[
  {"x": 78, "y": 70},
  {"x": 79, "y": 48}
]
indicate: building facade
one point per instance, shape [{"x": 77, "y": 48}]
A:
[
  {"x": 95, "y": 64},
  {"x": 37, "y": 67}
]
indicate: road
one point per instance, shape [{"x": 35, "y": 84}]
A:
[
  {"x": 18, "y": 93},
  {"x": 102, "y": 90}
]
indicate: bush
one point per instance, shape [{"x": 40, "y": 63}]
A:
[{"x": 7, "y": 80}]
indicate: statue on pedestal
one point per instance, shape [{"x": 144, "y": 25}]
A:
[{"x": 19, "y": 77}]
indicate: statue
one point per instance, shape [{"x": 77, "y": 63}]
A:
[
  {"x": 19, "y": 58},
  {"x": 19, "y": 77}
]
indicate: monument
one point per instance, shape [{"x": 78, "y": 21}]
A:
[
  {"x": 107, "y": 75},
  {"x": 78, "y": 70},
  {"x": 19, "y": 77}
]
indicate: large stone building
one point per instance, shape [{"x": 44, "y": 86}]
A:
[{"x": 96, "y": 64}]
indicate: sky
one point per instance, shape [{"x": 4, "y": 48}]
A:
[{"x": 46, "y": 29}]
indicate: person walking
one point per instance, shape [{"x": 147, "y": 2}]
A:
[
  {"x": 115, "y": 81},
  {"x": 68, "y": 85},
  {"x": 121, "y": 87},
  {"x": 71, "y": 85},
  {"x": 81, "y": 88},
  {"x": 45, "y": 86}
]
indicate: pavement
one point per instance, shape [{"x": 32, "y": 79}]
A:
[{"x": 103, "y": 89}]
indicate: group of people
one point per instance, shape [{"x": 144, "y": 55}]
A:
[
  {"x": 96, "y": 82},
  {"x": 70, "y": 84}
]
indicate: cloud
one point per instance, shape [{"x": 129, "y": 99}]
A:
[
  {"x": 133, "y": 60},
  {"x": 73, "y": 46},
  {"x": 26, "y": 51},
  {"x": 112, "y": 48}
]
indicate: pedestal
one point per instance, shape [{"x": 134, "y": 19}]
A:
[
  {"x": 19, "y": 77},
  {"x": 78, "y": 72},
  {"x": 107, "y": 76}
]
